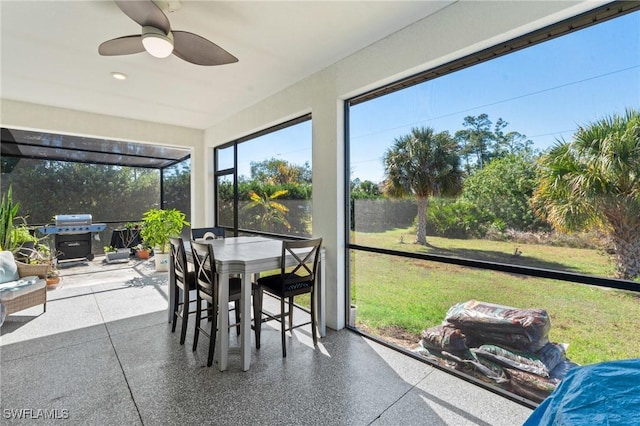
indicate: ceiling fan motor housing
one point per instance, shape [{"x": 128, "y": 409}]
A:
[{"x": 156, "y": 42}]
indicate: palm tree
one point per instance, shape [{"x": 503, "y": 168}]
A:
[
  {"x": 422, "y": 164},
  {"x": 594, "y": 180}
]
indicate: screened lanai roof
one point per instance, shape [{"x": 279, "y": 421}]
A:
[{"x": 47, "y": 146}]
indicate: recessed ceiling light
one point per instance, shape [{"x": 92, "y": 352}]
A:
[{"x": 119, "y": 76}]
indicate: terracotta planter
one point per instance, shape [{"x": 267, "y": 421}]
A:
[
  {"x": 53, "y": 281},
  {"x": 142, "y": 254}
]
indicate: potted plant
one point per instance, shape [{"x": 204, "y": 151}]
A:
[
  {"x": 157, "y": 226},
  {"x": 131, "y": 225},
  {"x": 23, "y": 242},
  {"x": 8, "y": 213},
  {"x": 143, "y": 251},
  {"x": 41, "y": 262},
  {"x": 53, "y": 276},
  {"x": 112, "y": 254}
]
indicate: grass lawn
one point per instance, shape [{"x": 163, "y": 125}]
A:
[{"x": 399, "y": 297}]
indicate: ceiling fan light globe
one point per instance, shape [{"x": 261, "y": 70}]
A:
[{"x": 156, "y": 42}]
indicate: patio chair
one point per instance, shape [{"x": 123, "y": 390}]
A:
[
  {"x": 206, "y": 233},
  {"x": 290, "y": 282},
  {"x": 21, "y": 285},
  {"x": 184, "y": 282},
  {"x": 207, "y": 289}
]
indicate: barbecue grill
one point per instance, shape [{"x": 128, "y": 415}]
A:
[{"x": 73, "y": 235}]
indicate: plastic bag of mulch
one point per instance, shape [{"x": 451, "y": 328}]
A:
[
  {"x": 529, "y": 385},
  {"x": 516, "y": 341},
  {"x": 560, "y": 371},
  {"x": 524, "y": 329},
  {"x": 483, "y": 369},
  {"x": 524, "y": 361},
  {"x": 444, "y": 338},
  {"x": 438, "y": 357},
  {"x": 552, "y": 354},
  {"x": 468, "y": 363}
]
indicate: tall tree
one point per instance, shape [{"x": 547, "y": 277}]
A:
[
  {"x": 594, "y": 180},
  {"x": 475, "y": 140},
  {"x": 279, "y": 172},
  {"x": 422, "y": 164},
  {"x": 479, "y": 144},
  {"x": 364, "y": 189},
  {"x": 510, "y": 143}
]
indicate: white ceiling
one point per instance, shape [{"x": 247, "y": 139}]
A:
[{"x": 50, "y": 53}]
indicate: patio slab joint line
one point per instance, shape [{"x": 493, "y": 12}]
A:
[
  {"x": 124, "y": 375},
  {"x": 412, "y": 387}
]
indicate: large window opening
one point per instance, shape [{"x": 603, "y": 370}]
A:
[
  {"x": 512, "y": 182},
  {"x": 263, "y": 181}
]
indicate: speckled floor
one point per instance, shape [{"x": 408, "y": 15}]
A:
[{"x": 104, "y": 354}]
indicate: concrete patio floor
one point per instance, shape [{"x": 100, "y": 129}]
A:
[{"x": 103, "y": 354}]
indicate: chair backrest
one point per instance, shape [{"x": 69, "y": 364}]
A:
[
  {"x": 205, "y": 263},
  {"x": 307, "y": 254},
  {"x": 179, "y": 261},
  {"x": 197, "y": 233}
]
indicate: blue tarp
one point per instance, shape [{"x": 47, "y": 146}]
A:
[{"x": 599, "y": 394}]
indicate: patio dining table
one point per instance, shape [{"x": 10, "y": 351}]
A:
[{"x": 246, "y": 256}]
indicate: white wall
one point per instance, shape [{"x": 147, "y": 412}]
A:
[
  {"x": 26, "y": 116},
  {"x": 458, "y": 30},
  {"x": 462, "y": 28}
]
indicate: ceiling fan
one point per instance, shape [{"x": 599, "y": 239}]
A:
[{"x": 160, "y": 41}]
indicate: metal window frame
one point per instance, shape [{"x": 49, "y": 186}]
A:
[{"x": 234, "y": 173}]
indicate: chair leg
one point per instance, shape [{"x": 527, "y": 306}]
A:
[
  {"x": 282, "y": 328},
  {"x": 185, "y": 317},
  {"x": 212, "y": 336},
  {"x": 176, "y": 304},
  {"x": 196, "y": 332},
  {"x": 313, "y": 319},
  {"x": 257, "y": 314},
  {"x": 237, "y": 310},
  {"x": 290, "y": 314}
]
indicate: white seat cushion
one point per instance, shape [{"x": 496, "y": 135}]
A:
[{"x": 13, "y": 289}]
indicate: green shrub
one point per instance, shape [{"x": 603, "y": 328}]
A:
[
  {"x": 457, "y": 219},
  {"x": 504, "y": 188}
]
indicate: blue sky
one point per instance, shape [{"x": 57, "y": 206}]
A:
[
  {"x": 544, "y": 92},
  {"x": 292, "y": 144}
]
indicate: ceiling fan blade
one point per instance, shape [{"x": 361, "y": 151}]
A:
[
  {"x": 198, "y": 50},
  {"x": 146, "y": 13},
  {"x": 126, "y": 45}
]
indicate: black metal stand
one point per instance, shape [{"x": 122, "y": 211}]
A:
[{"x": 125, "y": 238}]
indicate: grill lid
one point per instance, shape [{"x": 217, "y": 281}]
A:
[{"x": 73, "y": 219}]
